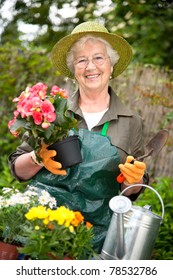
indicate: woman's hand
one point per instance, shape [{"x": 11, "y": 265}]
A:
[
  {"x": 48, "y": 162},
  {"x": 133, "y": 172}
]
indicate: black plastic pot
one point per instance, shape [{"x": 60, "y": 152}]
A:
[{"x": 68, "y": 151}]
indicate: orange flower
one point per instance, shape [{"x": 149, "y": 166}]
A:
[
  {"x": 78, "y": 219},
  {"x": 88, "y": 225},
  {"x": 51, "y": 226}
]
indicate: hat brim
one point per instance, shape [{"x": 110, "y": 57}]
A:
[{"x": 61, "y": 48}]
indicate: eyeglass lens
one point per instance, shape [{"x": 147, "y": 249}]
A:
[{"x": 97, "y": 60}]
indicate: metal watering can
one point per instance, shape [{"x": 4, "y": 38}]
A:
[{"x": 133, "y": 229}]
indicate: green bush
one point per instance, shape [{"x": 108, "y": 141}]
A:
[
  {"x": 163, "y": 249},
  {"x": 6, "y": 178}
]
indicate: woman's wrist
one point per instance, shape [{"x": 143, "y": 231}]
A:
[
  {"x": 34, "y": 159},
  {"x": 133, "y": 190},
  {"x": 136, "y": 183}
]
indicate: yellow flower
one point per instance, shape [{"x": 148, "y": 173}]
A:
[
  {"x": 39, "y": 212},
  {"x": 59, "y": 230},
  {"x": 37, "y": 227},
  {"x": 71, "y": 228},
  {"x": 62, "y": 215},
  {"x": 46, "y": 221}
]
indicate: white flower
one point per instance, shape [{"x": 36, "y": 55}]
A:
[
  {"x": 16, "y": 198},
  {"x": 43, "y": 200},
  {"x": 9, "y": 202},
  {"x": 31, "y": 196},
  {"x": 46, "y": 199},
  {"x": 24, "y": 200},
  {"x": 45, "y": 193},
  {"x": 31, "y": 193},
  {"x": 52, "y": 202},
  {"x": 32, "y": 188},
  {"x": 7, "y": 190}
]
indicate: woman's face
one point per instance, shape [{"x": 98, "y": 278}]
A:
[{"x": 92, "y": 66}]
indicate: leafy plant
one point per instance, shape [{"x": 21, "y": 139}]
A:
[
  {"x": 6, "y": 178},
  {"x": 163, "y": 249},
  {"x": 44, "y": 116},
  {"x": 56, "y": 234},
  {"x": 13, "y": 206}
]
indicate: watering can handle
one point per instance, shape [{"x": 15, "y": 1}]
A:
[{"x": 146, "y": 186}]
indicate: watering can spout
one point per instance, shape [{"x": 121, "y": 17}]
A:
[
  {"x": 120, "y": 205},
  {"x": 120, "y": 250}
]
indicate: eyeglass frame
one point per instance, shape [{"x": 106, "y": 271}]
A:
[{"x": 87, "y": 60}]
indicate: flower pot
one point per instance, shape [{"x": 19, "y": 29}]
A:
[
  {"x": 8, "y": 251},
  {"x": 68, "y": 151}
]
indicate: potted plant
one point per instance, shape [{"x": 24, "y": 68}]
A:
[
  {"x": 57, "y": 234},
  {"x": 13, "y": 207},
  {"x": 45, "y": 119}
]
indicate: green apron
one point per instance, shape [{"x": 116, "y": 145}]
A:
[{"x": 90, "y": 185}]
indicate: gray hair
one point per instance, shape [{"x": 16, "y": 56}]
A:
[{"x": 113, "y": 54}]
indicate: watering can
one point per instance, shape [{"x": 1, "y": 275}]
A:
[{"x": 133, "y": 229}]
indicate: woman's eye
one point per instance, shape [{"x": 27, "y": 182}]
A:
[
  {"x": 98, "y": 58},
  {"x": 82, "y": 60}
]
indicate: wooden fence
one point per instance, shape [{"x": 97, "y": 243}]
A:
[{"x": 149, "y": 91}]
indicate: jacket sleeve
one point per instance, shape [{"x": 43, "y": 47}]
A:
[{"x": 22, "y": 149}]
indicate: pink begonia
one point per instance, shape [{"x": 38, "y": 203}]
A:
[
  {"x": 16, "y": 113},
  {"x": 26, "y": 109},
  {"x": 10, "y": 123},
  {"x": 37, "y": 116},
  {"x": 49, "y": 117},
  {"x": 47, "y": 107},
  {"x": 56, "y": 90},
  {"x": 40, "y": 89},
  {"x": 36, "y": 113},
  {"x": 32, "y": 105},
  {"x": 45, "y": 124}
]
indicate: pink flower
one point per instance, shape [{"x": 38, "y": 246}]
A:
[
  {"x": 47, "y": 107},
  {"x": 37, "y": 116},
  {"x": 50, "y": 117},
  {"x": 10, "y": 123},
  {"x": 44, "y": 116},
  {"x": 56, "y": 90},
  {"x": 26, "y": 109},
  {"x": 40, "y": 89},
  {"x": 15, "y": 133},
  {"x": 45, "y": 125}
]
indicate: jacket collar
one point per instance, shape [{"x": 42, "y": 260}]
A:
[{"x": 116, "y": 109}]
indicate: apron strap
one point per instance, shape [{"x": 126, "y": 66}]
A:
[{"x": 105, "y": 128}]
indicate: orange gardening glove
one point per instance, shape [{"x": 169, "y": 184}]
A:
[
  {"x": 50, "y": 164},
  {"x": 133, "y": 172}
]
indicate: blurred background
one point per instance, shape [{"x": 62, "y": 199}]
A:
[{"x": 30, "y": 28}]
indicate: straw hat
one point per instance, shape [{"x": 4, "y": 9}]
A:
[{"x": 61, "y": 48}]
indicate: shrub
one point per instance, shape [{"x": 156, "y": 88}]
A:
[{"x": 163, "y": 249}]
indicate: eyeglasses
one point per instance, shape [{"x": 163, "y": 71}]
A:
[{"x": 97, "y": 60}]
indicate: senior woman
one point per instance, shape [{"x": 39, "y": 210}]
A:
[{"x": 110, "y": 134}]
